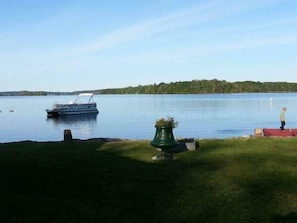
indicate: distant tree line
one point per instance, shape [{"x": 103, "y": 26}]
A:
[
  {"x": 32, "y": 93},
  {"x": 182, "y": 87},
  {"x": 205, "y": 87}
]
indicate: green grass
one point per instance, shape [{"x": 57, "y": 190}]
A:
[{"x": 231, "y": 180}]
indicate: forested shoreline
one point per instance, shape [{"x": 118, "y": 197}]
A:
[{"x": 182, "y": 87}]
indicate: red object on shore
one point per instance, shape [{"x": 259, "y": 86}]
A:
[{"x": 280, "y": 133}]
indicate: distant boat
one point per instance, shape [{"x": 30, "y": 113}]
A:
[{"x": 74, "y": 107}]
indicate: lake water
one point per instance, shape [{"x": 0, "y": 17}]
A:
[{"x": 133, "y": 116}]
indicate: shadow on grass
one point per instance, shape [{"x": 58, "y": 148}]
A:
[
  {"x": 79, "y": 182},
  {"x": 289, "y": 218},
  {"x": 117, "y": 182}
]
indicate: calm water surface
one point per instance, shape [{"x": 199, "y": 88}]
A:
[{"x": 133, "y": 116}]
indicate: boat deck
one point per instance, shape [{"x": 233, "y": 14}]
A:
[{"x": 280, "y": 133}]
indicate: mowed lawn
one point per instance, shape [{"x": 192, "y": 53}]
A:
[{"x": 225, "y": 180}]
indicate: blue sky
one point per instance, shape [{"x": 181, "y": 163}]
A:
[{"x": 67, "y": 45}]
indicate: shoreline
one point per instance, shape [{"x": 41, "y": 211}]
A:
[
  {"x": 258, "y": 133},
  {"x": 73, "y": 140}
]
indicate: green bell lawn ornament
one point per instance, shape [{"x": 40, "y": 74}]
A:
[{"x": 164, "y": 138}]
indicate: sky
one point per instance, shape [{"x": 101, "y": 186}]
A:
[{"x": 68, "y": 45}]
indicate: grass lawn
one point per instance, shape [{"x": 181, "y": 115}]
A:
[{"x": 231, "y": 180}]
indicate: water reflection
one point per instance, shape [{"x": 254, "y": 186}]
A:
[
  {"x": 73, "y": 119},
  {"x": 83, "y": 126}
]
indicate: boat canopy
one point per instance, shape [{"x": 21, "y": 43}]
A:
[{"x": 86, "y": 94}]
